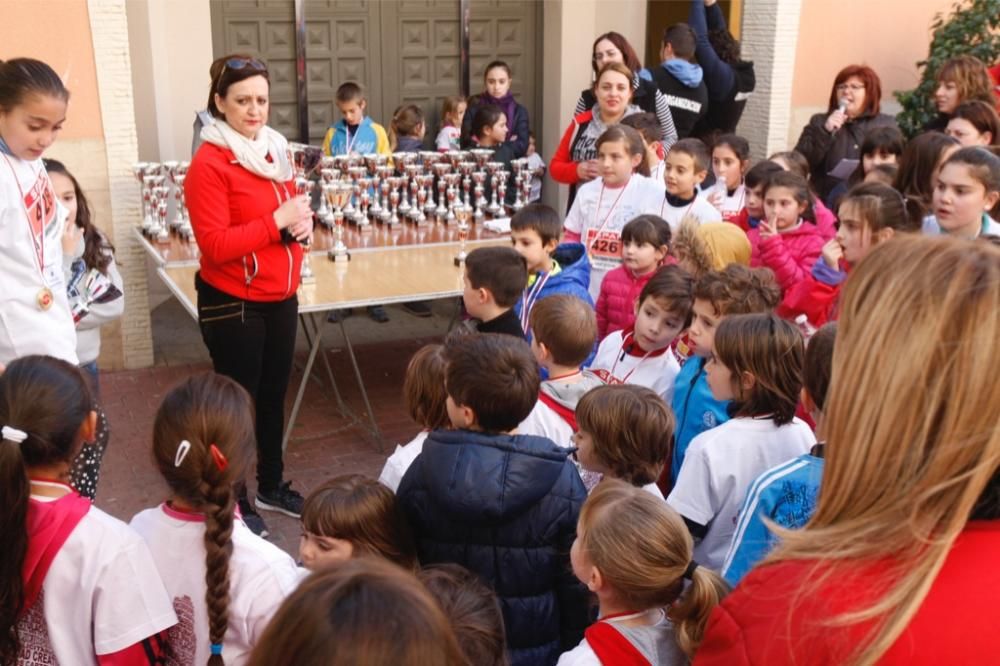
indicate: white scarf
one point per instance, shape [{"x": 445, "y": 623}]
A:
[{"x": 252, "y": 153}]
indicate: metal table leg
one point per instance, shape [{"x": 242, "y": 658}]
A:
[
  {"x": 361, "y": 386},
  {"x": 317, "y": 342},
  {"x": 316, "y": 321}
]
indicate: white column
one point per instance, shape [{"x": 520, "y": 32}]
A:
[
  {"x": 109, "y": 30},
  {"x": 770, "y": 35}
]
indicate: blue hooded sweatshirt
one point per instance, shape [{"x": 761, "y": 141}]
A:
[
  {"x": 573, "y": 279},
  {"x": 505, "y": 507},
  {"x": 694, "y": 408}
]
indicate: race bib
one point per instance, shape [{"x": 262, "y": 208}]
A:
[
  {"x": 606, "y": 377},
  {"x": 604, "y": 248}
]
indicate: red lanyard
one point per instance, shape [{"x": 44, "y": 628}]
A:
[
  {"x": 610, "y": 211},
  {"x": 622, "y": 351},
  {"x": 37, "y": 239}
]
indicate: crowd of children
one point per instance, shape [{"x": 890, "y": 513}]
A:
[{"x": 676, "y": 391}]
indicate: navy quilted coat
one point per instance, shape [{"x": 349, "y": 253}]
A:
[{"x": 505, "y": 507}]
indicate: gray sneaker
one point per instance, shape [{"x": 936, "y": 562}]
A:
[{"x": 282, "y": 499}]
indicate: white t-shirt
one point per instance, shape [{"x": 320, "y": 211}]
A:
[
  {"x": 535, "y": 162},
  {"x": 653, "y": 490},
  {"x": 657, "y": 643},
  {"x": 400, "y": 461},
  {"x": 699, "y": 209},
  {"x": 599, "y": 213},
  {"x": 102, "y": 594},
  {"x": 620, "y": 361},
  {"x": 25, "y": 327},
  {"x": 448, "y": 138},
  {"x": 729, "y": 205},
  {"x": 718, "y": 468},
  {"x": 656, "y": 172},
  {"x": 261, "y": 576}
]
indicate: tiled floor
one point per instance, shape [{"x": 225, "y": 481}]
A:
[{"x": 323, "y": 443}]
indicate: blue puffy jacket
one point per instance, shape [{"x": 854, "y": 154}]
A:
[
  {"x": 573, "y": 279},
  {"x": 694, "y": 408},
  {"x": 505, "y": 507}
]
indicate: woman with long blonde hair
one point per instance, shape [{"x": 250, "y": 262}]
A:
[{"x": 898, "y": 564}]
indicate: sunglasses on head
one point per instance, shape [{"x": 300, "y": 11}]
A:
[{"x": 240, "y": 63}]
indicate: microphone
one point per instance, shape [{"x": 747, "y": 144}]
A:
[{"x": 843, "y": 105}]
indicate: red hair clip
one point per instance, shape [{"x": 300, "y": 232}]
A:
[{"x": 218, "y": 457}]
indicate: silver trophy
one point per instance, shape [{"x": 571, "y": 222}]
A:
[
  {"x": 463, "y": 215},
  {"x": 441, "y": 170},
  {"x": 306, "y": 275},
  {"x": 494, "y": 169},
  {"x": 337, "y": 194}
]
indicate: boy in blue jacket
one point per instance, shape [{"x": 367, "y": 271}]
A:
[
  {"x": 735, "y": 289},
  {"x": 355, "y": 132},
  {"x": 553, "y": 268},
  {"x": 502, "y": 505}
]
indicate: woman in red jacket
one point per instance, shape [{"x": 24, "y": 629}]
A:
[
  {"x": 575, "y": 161},
  {"x": 246, "y": 219},
  {"x": 898, "y": 563}
]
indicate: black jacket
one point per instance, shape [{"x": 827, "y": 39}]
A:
[
  {"x": 825, "y": 150},
  {"x": 504, "y": 507},
  {"x": 517, "y": 136},
  {"x": 687, "y": 105},
  {"x": 508, "y": 323}
]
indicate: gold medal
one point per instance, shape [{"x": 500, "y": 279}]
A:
[{"x": 44, "y": 298}]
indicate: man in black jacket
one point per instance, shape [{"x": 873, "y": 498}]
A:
[{"x": 680, "y": 79}]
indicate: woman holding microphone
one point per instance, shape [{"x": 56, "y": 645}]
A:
[
  {"x": 853, "y": 110},
  {"x": 246, "y": 219}
]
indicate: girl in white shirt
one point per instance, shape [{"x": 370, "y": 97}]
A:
[
  {"x": 425, "y": 400},
  {"x": 604, "y": 206},
  {"x": 34, "y": 311},
  {"x": 225, "y": 582},
  {"x": 634, "y": 553},
  {"x": 95, "y": 287},
  {"x": 756, "y": 362},
  {"x": 79, "y": 587},
  {"x": 730, "y": 161}
]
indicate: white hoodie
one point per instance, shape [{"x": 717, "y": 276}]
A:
[{"x": 25, "y": 328}]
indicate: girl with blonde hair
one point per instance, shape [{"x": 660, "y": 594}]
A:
[
  {"x": 908, "y": 519},
  {"x": 634, "y": 552}
]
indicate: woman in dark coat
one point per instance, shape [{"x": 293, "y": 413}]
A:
[{"x": 854, "y": 110}]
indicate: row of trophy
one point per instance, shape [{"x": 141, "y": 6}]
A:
[
  {"x": 361, "y": 189},
  {"x": 159, "y": 183},
  {"x": 416, "y": 187}
]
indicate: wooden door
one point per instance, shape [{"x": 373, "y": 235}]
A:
[{"x": 403, "y": 52}]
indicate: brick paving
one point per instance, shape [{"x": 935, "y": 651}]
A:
[{"x": 323, "y": 443}]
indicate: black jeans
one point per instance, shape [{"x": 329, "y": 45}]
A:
[{"x": 253, "y": 343}]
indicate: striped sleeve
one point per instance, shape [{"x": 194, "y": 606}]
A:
[
  {"x": 668, "y": 130},
  {"x": 752, "y": 539}
]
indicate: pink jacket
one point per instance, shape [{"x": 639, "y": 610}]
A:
[
  {"x": 616, "y": 302},
  {"x": 826, "y": 221},
  {"x": 790, "y": 255}
]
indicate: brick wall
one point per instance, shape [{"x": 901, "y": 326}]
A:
[
  {"x": 109, "y": 27},
  {"x": 769, "y": 38}
]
